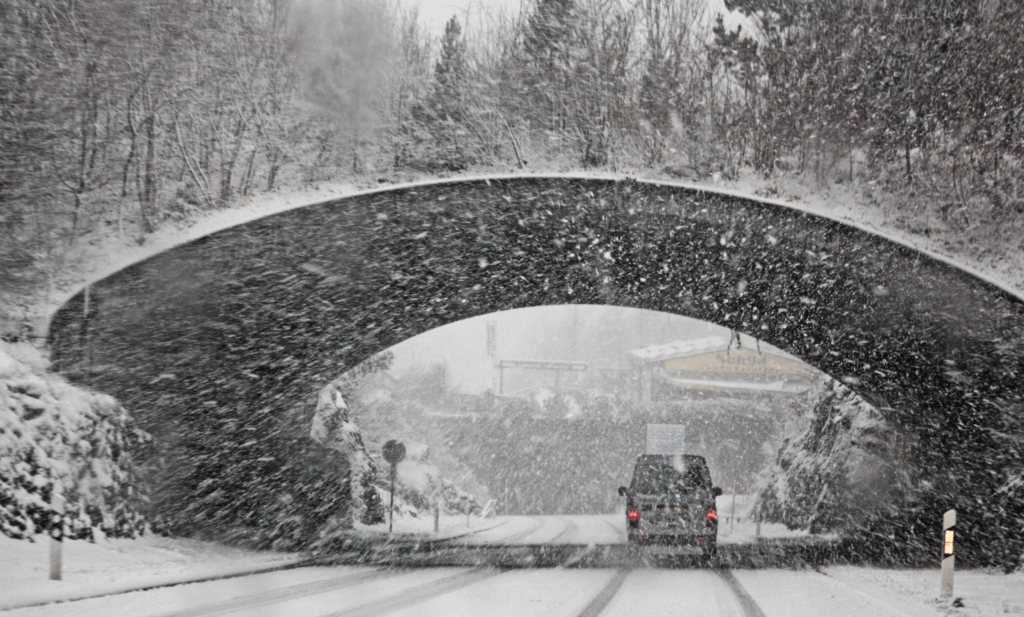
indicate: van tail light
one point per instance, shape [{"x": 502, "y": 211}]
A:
[
  {"x": 712, "y": 515},
  {"x": 633, "y": 514}
]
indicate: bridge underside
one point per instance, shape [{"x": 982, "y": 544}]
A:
[{"x": 255, "y": 319}]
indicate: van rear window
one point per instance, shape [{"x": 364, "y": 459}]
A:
[{"x": 664, "y": 478}]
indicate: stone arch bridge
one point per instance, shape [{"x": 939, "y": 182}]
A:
[{"x": 252, "y": 321}]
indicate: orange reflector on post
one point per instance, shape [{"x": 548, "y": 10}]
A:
[{"x": 947, "y": 543}]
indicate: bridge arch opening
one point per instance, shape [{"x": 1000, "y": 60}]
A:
[
  {"x": 546, "y": 408},
  {"x": 229, "y": 336}
]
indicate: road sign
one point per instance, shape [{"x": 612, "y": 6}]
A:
[
  {"x": 394, "y": 451},
  {"x": 547, "y": 365},
  {"x": 666, "y": 439}
]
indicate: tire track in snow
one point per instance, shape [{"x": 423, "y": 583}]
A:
[
  {"x": 619, "y": 532},
  {"x": 567, "y": 535},
  {"x": 418, "y": 594},
  {"x": 750, "y": 608},
  {"x": 529, "y": 531},
  {"x": 287, "y": 593},
  {"x": 606, "y": 594}
]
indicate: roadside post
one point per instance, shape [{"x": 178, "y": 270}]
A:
[
  {"x": 948, "y": 531},
  {"x": 394, "y": 452},
  {"x": 56, "y": 531},
  {"x": 732, "y": 510}
]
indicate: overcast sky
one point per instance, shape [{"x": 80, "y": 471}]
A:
[{"x": 598, "y": 335}]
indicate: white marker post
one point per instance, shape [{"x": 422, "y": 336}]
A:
[
  {"x": 948, "y": 531},
  {"x": 56, "y": 531},
  {"x": 732, "y": 510}
]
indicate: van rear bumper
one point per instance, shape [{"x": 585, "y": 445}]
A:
[{"x": 675, "y": 538}]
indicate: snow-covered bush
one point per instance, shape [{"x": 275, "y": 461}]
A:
[
  {"x": 420, "y": 485},
  {"x": 53, "y": 432}
]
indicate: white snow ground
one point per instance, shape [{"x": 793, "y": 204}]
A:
[
  {"x": 841, "y": 591},
  {"x": 109, "y": 566},
  {"x": 449, "y": 526},
  {"x": 554, "y": 592}
]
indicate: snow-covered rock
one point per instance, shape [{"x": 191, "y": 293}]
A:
[
  {"x": 332, "y": 427},
  {"x": 53, "y": 433},
  {"x": 844, "y": 469}
]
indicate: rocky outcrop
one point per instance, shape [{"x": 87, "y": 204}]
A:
[
  {"x": 845, "y": 469},
  {"x": 53, "y": 434}
]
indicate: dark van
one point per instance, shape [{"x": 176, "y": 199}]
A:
[{"x": 671, "y": 501}]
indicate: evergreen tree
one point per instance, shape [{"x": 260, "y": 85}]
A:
[
  {"x": 450, "y": 74},
  {"x": 444, "y": 115},
  {"x": 550, "y": 34}
]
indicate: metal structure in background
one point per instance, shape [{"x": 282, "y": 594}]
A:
[
  {"x": 394, "y": 452},
  {"x": 492, "y": 353},
  {"x": 557, "y": 366}
]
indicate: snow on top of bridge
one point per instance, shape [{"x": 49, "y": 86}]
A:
[{"x": 111, "y": 258}]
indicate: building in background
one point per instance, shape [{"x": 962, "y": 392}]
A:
[{"x": 716, "y": 364}]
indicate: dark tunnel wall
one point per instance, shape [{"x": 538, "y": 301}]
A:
[{"x": 258, "y": 317}]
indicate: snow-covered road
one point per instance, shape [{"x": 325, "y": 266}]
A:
[
  {"x": 565, "y": 587},
  {"x": 348, "y": 591},
  {"x": 606, "y": 529}
]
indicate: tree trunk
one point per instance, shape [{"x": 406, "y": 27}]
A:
[
  {"x": 148, "y": 176},
  {"x": 906, "y": 155},
  {"x": 272, "y": 172}
]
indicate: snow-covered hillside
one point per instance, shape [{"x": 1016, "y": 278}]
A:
[{"x": 54, "y": 433}]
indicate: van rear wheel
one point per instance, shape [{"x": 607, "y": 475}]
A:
[
  {"x": 709, "y": 553},
  {"x": 632, "y": 545}
]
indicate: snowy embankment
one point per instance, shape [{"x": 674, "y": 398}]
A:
[
  {"x": 976, "y": 593},
  {"x": 55, "y": 435},
  {"x": 117, "y": 565}
]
